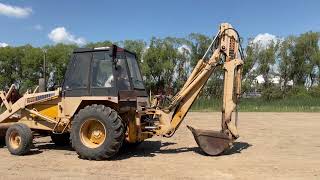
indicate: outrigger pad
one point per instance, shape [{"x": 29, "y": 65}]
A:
[{"x": 212, "y": 143}]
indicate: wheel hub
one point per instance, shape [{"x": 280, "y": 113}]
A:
[
  {"x": 97, "y": 133},
  {"x": 92, "y": 133},
  {"x": 15, "y": 140}
]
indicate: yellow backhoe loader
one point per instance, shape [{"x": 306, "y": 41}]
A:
[{"x": 102, "y": 103}]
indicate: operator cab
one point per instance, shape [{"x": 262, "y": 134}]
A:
[{"x": 103, "y": 71}]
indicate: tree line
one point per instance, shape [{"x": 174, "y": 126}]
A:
[{"x": 284, "y": 66}]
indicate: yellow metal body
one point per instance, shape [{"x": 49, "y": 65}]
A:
[{"x": 48, "y": 110}]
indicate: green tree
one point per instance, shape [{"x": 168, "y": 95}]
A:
[
  {"x": 10, "y": 67},
  {"x": 266, "y": 61},
  {"x": 136, "y": 46},
  {"x": 305, "y": 58},
  {"x": 31, "y": 67},
  {"x": 99, "y": 44},
  {"x": 199, "y": 44},
  {"x": 249, "y": 73},
  {"x": 182, "y": 61},
  {"x": 58, "y": 57},
  {"x": 286, "y": 62},
  {"x": 158, "y": 65}
]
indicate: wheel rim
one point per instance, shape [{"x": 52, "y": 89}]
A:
[
  {"x": 92, "y": 133},
  {"x": 14, "y": 140}
]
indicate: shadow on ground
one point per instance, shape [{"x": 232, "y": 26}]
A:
[
  {"x": 51, "y": 146},
  {"x": 151, "y": 148},
  {"x": 145, "y": 149},
  {"x": 237, "y": 148}
]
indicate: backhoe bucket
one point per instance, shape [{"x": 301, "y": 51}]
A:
[{"x": 212, "y": 143}]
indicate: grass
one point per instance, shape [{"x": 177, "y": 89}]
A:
[{"x": 292, "y": 104}]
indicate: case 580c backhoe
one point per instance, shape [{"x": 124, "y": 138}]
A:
[{"x": 103, "y": 103}]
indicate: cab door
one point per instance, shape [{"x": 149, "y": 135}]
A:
[
  {"x": 103, "y": 81},
  {"x": 76, "y": 82}
]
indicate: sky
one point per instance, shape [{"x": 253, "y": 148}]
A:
[{"x": 41, "y": 22}]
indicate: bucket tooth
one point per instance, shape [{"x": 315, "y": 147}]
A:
[{"x": 212, "y": 143}]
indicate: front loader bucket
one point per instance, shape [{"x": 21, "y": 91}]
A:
[{"x": 211, "y": 142}]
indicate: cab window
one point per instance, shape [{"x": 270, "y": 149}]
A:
[
  {"x": 122, "y": 74},
  {"x": 102, "y": 71},
  {"x": 78, "y": 72},
  {"x": 134, "y": 71}
]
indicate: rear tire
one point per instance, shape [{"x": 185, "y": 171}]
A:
[
  {"x": 61, "y": 139},
  {"x": 97, "y": 132},
  {"x": 19, "y": 139}
]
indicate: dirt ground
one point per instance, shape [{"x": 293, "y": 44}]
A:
[{"x": 271, "y": 146}]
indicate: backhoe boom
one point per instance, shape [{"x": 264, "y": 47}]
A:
[{"x": 225, "y": 47}]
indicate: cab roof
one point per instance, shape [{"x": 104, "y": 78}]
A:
[{"x": 96, "y": 49}]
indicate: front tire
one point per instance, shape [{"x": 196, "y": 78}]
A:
[
  {"x": 19, "y": 139},
  {"x": 97, "y": 132}
]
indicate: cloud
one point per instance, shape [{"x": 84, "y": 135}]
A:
[
  {"x": 3, "y": 44},
  {"x": 38, "y": 27},
  {"x": 265, "y": 39},
  {"x": 14, "y": 11},
  {"x": 61, "y": 35}
]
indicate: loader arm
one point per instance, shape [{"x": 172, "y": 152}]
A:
[{"x": 226, "y": 54}]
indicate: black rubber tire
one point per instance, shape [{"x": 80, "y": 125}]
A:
[
  {"x": 114, "y": 131},
  {"x": 61, "y": 139},
  {"x": 25, "y": 134}
]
